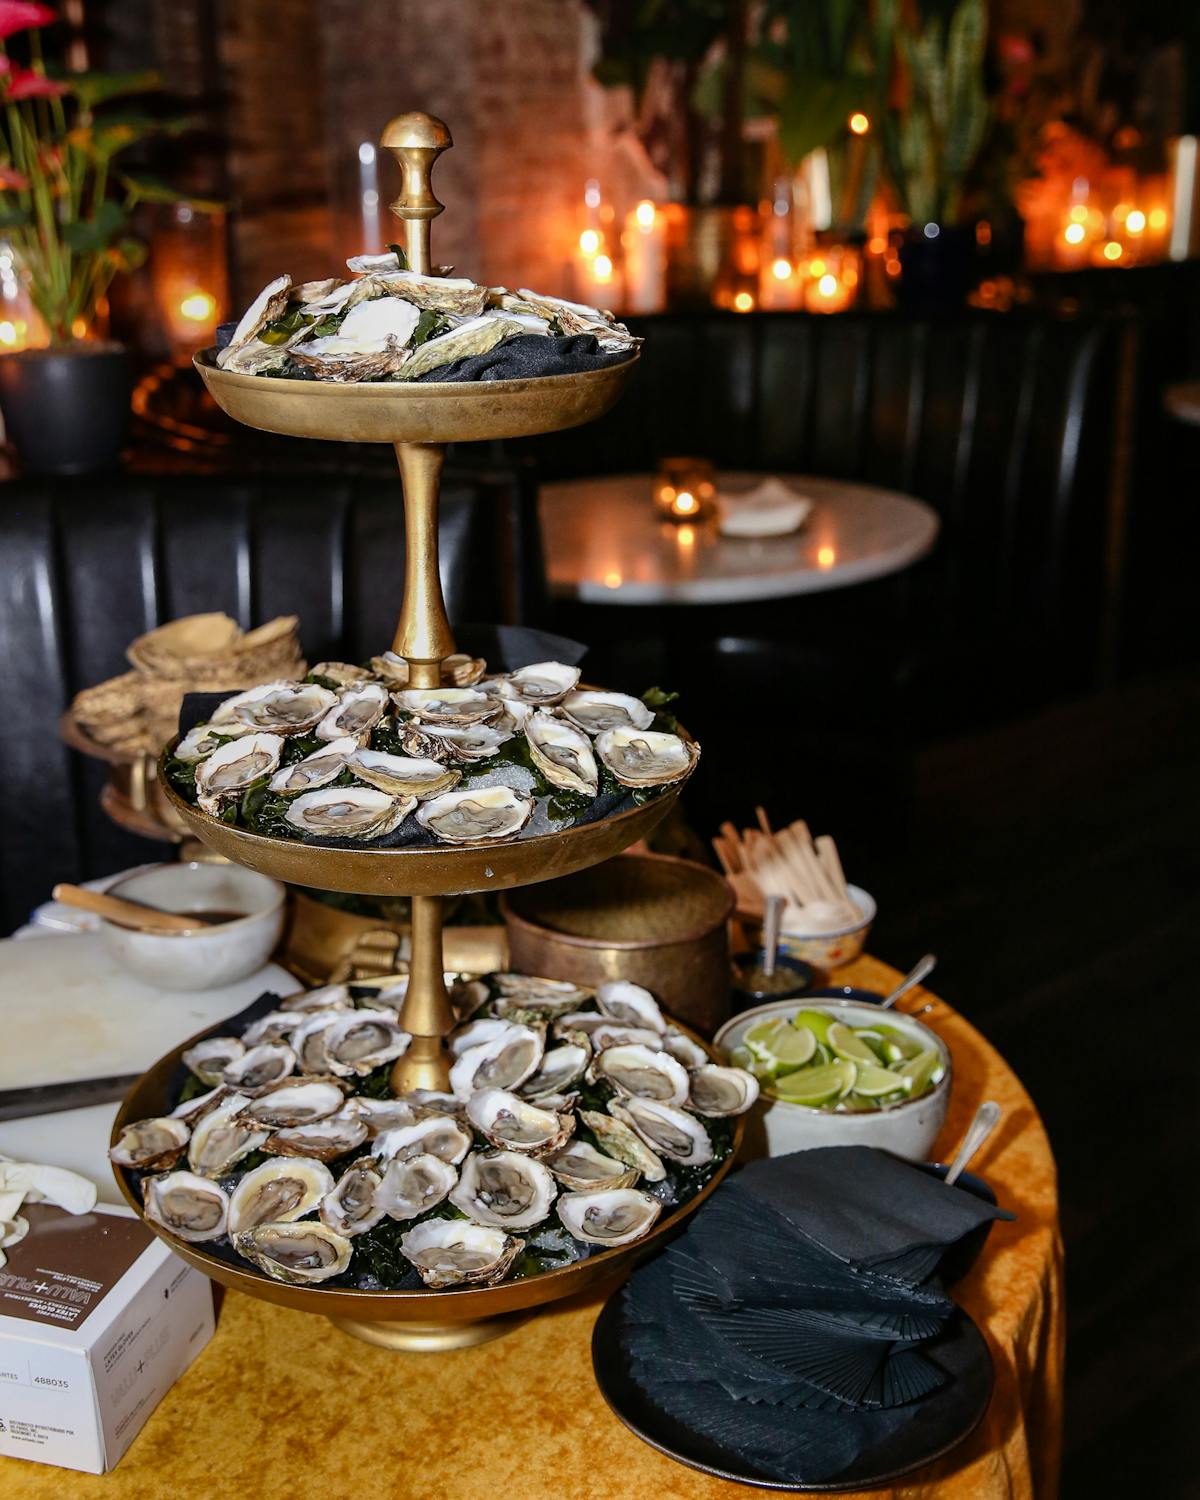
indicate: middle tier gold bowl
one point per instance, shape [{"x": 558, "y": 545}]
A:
[{"x": 420, "y": 1321}]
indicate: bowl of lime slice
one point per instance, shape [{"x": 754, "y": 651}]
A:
[{"x": 842, "y": 1073}]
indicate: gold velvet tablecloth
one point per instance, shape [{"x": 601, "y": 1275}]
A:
[{"x": 282, "y": 1404}]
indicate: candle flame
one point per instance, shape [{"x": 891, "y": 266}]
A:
[
  {"x": 1074, "y": 233},
  {"x": 603, "y": 267},
  {"x": 1112, "y": 251},
  {"x": 826, "y": 557},
  {"x": 589, "y": 241},
  {"x": 743, "y": 302},
  {"x": 198, "y": 307},
  {"x": 859, "y": 123},
  {"x": 612, "y": 579},
  {"x": 782, "y": 269},
  {"x": 686, "y": 535},
  {"x": 685, "y": 503},
  {"x": 1135, "y": 221},
  {"x": 827, "y": 285},
  {"x": 644, "y": 214}
]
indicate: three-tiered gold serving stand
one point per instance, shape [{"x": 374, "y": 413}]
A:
[{"x": 419, "y": 420}]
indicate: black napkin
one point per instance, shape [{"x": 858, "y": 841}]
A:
[
  {"x": 529, "y": 354},
  {"x": 797, "y": 1321}
]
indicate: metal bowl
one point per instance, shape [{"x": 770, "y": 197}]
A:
[{"x": 415, "y": 1320}]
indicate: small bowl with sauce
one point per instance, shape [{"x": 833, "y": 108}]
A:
[
  {"x": 752, "y": 985},
  {"x": 239, "y": 913}
]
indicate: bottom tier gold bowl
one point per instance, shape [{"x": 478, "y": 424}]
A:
[{"x": 421, "y": 1321}]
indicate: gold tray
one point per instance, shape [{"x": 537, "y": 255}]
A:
[
  {"x": 434, "y": 1319},
  {"x": 443, "y": 870},
  {"x": 396, "y": 412}
]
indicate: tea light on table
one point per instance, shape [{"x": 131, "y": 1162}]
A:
[{"x": 684, "y": 489}]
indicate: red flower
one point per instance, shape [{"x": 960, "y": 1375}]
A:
[
  {"x": 24, "y": 83},
  {"x": 20, "y": 15},
  {"x": 12, "y": 179}
]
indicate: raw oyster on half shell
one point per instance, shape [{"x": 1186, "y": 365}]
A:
[
  {"x": 450, "y": 1252},
  {"x": 190, "y": 1207},
  {"x": 562, "y": 753},
  {"x": 476, "y": 815},
  {"x": 348, "y": 812},
  {"x": 594, "y": 712},
  {"x": 610, "y": 1216},
  {"x": 278, "y": 1192},
  {"x": 411, "y": 1185},
  {"x": 645, "y": 757},
  {"x": 296, "y": 1253},
  {"x": 504, "y": 1189},
  {"x": 151, "y": 1145}
]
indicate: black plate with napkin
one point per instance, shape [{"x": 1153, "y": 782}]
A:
[{"x": 797, "y": 1335}]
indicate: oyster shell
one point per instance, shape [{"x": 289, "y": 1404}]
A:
[
  {"x": 436, "y": 1135},
  {"x": 232, "y": 767},
  {"x": 371, "y": 340},
  {"x": 350, "y": 1207},
  {"x": 458, "y": 669},
  {"x": 560, "y": 1067},
  {"x": 691, "y": 1054},
  {"x": 151, "y": 1145},
  {"x": 474, "y": 337},
  {"x": 413, "y": 1184},
  {"x": 361, "y": 1040},
  {"x": 326, "y": 997},
  {"x": 594, "y": 712},
  {"x": 402, "y": 775},
  {"x": 271, "y": 303},
  {"x": 324, "y": 1139},
  {"x": 454, "y": 706},
  {"x": 610, "y": 1216},
  {"x": 209, "y": 1059},
  {"x": 457, "y": 295},
  {"x": 275, "y": 1026},
  {"x": 381, "y": 1114},
  {"x": 476, "y": 814},
  {"x": 308, "y": 1041},
  {"x": 562, "y": 753},
  {"x": 297, "y": 1101},
  {"x": 318, "y": 769},
  {"x": 644, "y": 757},
  {"x": 355, "y": 713},
  {"x": 571, "y": 317},
  {"x": 619, "y": 1140},
  {"x": 513, "y": 1124},
  {"x": 504, "y": 1062},
  {"x": 445, "y": 742},
  {"x": 260, "y": 1067},
  {"x": 719, "y": 1092},
  {"x": 348, "y": 812},
  {"x": 191, "y": 1208},
  {"x": 199, "y": 741},
  {"x": 580, "y": 1167},
  {"x": 643, "y": 1072},
  {"x": 448, "y": 1252},
  {"x": 344, "y": 673},
  {"x": 556, "y": 994},
  {"x": 222, "y": 1138},
  {"x": 542, "y": 684},
  {"x": 476, "y": 1033},
  {"x": 195, "y": 1109},
  {"x": 295, "y": 1253},
  {"x": 504, "y": 1189},
  {"x": 666, "y": 1129},
  {"x": 287, "y": 709},
  {"x": 630, "y": 1004},
  {"x": 614, "y": 1034},
  {"x": 278, "y": 1192}
]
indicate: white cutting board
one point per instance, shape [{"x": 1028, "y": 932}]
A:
[{"x": 69, "y": 1011}]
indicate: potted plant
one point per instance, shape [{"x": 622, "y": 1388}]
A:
[{"x": 65, "y": 209}]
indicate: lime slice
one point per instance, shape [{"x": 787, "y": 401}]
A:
[
  {"x": 785, "y": 1049},
  {"x": 921, "y": 1071},
  {"x": 742, "y": 1057},
  {"x": 873, "y": 1083},
  {"x": 817, "y": 1022},
  {"x": 760, "y": 1038},
  {"x": 816, "y": 1086},
  {"x": 847, "y": 1045}
]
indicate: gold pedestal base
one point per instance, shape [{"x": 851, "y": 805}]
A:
[{"x": 430, "y": 1338}]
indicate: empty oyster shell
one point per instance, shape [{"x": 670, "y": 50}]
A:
[
  {"x": 326, "y": 997},
  {"x": 209, "y": 1059},
  {"x": 260, "y": 1067},
  {"x": 644, "y": 757},
  {"x": 474, "y": 337},
  {"x": 275, "y": 1026},
  {"x": 691, "y": 1054},
  {"x": 445, "y": 742},
  {"x": 308, "y": 1041},
  {"x": 344, "y": 673},
  {"x": 594, "y": 712},
  {"x": 562, "y": 753},
  {"x": 476, "y": 815},
  {"x": 413, "y": 1184},
  {"x": 402, "y": 775},
  {"x": 543, "y": 683},
  {"x": 666, "y": 1129},
  {"x": 580, "y": 1167},
  {"x": 571, "y": 317},
  {"x": 195, "y": 1109},
  {"x": 504, "y": 1189},
  {"x": 232, "y": 767},
  {"x": 318, "y": 769},
  {"x": 350, "y": 1208},
  {"x": 643, "y": 1072},
  {"x": 560, "y": 1067},
  {"x": 619, "y": 1140},
  {"x": 719, "y": 1092},
  {"x": 612, "y": 1216},
  {"x": 295, "y": 1253},
  {"x": 324, "y": 1139},
  {"x": 270, "y": 303},
  {"x": 151, "y": 1145},
  {"x": 361, "y": 1040},
  {"x": 382, "y": 1114},
  {"x": 513, "y": 1124},
  {"x": 448, "y": 1252},
  {"x": 454, "y": 706},
  {"x": 348, "y": 812},
  {"x": 504, "y": 1062},
  {"x": 630, "y": 1003},
  {"x": 189, "y": 1207},
  {"x": 278, "y": 1192},
  {"x": 356, "y": 712},
  {"x": 287, "y": 708},
  {"x": 436, "y": 1135},
  {"x": 297, "y": 1101},
  {"x": 222, "y": 1138}
]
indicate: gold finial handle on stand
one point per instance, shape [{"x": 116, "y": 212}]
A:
[{"x": 416, "y": 141}]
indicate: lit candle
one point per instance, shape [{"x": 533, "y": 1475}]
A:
[
  {"x": 684, "y": 489},
  {"x": 645, "y": 245},
  {"x": 368, "y": 189}
]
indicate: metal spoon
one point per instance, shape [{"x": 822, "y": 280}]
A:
[
  {"x": 772, "y": 921},
  {"x": 922, "y": 970},
  {"x": 987, "y": 1116}
]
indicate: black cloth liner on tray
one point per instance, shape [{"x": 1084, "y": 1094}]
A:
[{"x": 797, "y": 1321}]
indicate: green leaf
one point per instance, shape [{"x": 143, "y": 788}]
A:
[
  {"x": 151, "y": 190},
  {"x": 97, "y": 88},
  {"x": 128, "y": 254},
  {"x": 15, "y": 218},
  {"x": 815, "y": 109},
  {"x": 86, "y": 236},
  {"x": 399, "y": 252}
]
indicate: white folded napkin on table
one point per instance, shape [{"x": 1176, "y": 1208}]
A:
[
  {"x": 22, "y": 1181},
  {"x": 772, "y": 508}
]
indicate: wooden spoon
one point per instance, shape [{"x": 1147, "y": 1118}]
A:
[{"x": 129, "y": 913}]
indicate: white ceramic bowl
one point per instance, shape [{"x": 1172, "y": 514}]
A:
[
  {"x": 829, "y": 950},
  {"x": 206, "y": 957},
  {"x": 908, "y": 1129}
]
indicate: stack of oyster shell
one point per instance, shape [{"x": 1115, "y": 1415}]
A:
[
  {"x": 389, "y": 323},
  {"x": 445, "y": 732},
  {"x": 507, "y": 1151}
]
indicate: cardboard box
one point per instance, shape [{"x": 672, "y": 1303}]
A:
[{"x": 98, "y": 1319}]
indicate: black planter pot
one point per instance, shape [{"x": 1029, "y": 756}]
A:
[
  {"x": 66, "y": 412},
  {"x": 937, "y": 272}
]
